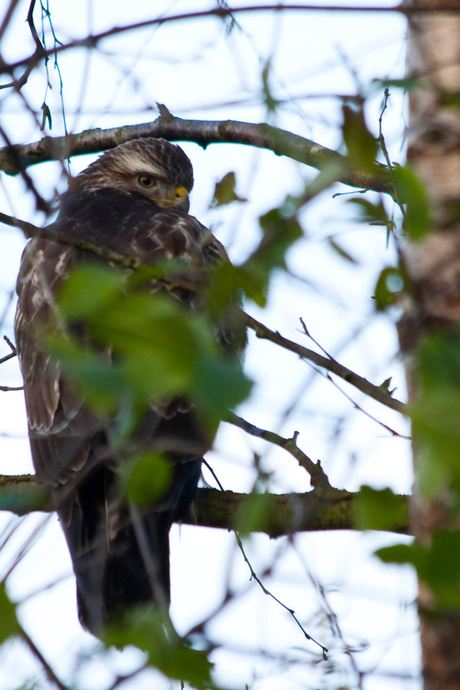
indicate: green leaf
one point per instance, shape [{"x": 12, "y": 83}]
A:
[
  {"x": 228, "y": 282},
  {"x": 95, "y": 377},
  {"x": 268, "y": 98},
  {"x": 252, "y": 513},
  {"x": 340, "y": 251},
  {"x": 149, "y": 630},
  {"x": 46, "y": 117},
  {"x": 219, "y": 384},
  {"x": 436, "y": 411},
  {"x": 380, "y": 509},
  {"x": 438, "y": 565},
  {"x": 147, "y": 477},
  {"x": 361, "y": 144},
  {"x": 148, "y": 347},
  {"x": 418, "y": 217},
  {"x": 224, "y": 192},
  {"x": 371, "y": 213},
  {"x": 8, "y": 621},
  {"x": 279, "y": 233},
  {"x": 390, "y": 284},
  {"x": 253, "y": 276},
  {"x": 408, "y": 84},
  {"x": 88, "y": 290},
  {"x": 402, "y": 553}
]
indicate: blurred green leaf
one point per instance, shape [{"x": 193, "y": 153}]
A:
[
  {"x": 89, "y": 289},
  {"x": 146, "y": 476},
  {"x": 46, "y": 117},
  {"x": 252, "y": 513},
  {"x": 150, "y": 631},
  {"x": 418, "y": 217},
  {"x": 228, "y": 282},
  {"x": 253, "y": 276},
  {"x": 340, "y": 251},
  {"x": 407, "y": 83},
  {"x": 450, "y": 99},
  {"x": 371, "y": 213},
  {"x": 279, "y": 233},
  {"x": 147, "y": 347},
  {"x": 218, "y": 385},
  {"x": 436, "y": 411},
  {"x": 361, "y": 144},
  {"x": 390, "y": 284},
  {"x": 269, "y": 100},
  {"x": 8, "y": 622},
  {"x": 224, "y": 192},
  {"x": 380, "y": 509},
  {"x": 438, "y": 565}
]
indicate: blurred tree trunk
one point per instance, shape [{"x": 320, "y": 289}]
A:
[{"x": 434, "y": 266}]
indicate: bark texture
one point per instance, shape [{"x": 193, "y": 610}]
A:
[{"x": 434, "y": 266}]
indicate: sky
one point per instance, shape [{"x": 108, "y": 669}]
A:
[{"x": 201, "y": 70}]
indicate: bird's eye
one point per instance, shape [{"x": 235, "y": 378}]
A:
[{"x": 146, "y": 181}]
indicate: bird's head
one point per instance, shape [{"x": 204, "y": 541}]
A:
[{"x": 153, "y": 167}]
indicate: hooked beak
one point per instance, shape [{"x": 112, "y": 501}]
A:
[{"x": 177, "y": 198}]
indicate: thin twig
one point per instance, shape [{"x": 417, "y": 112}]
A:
[
  {"x": 13, "y": 352},
  {"x": 262, "y": 586},
  {"x": 316, "y": 472},
  {"x": 358, "y": 407},
  {"x": 46, "y": 667},
  {"x": 386, "y": 155},
  {"x": 52, "y": 232},
  {"x": 92, "y": 40},
  {"x": 268, "y": 593},
  {"x": 327, "y": 363}
]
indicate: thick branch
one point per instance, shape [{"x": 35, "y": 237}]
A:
[
  {"x": 202, "y": 132},
  {"x": 328, "y": 363},
  {"x": 325, "y": 509}
]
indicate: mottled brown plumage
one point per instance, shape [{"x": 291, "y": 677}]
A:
[{"x": 133, "y": 200}]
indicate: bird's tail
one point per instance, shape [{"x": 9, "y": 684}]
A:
[{"x": 120, "y": 552}]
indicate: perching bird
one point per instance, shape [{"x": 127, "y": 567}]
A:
[{"x": 133, "y": 200}]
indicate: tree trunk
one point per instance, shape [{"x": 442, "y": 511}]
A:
[{"x": 434, "y": 267}]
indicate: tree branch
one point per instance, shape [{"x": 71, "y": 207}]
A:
[
  {"x": 318, "y": 477},
  {"x": 52, "y": 232},
  {"x": 328, "y": 363},
  {"x": 15, "y": 159},
  {"x": 92, "y": 40},
  {"x": 318, "y": 510}
]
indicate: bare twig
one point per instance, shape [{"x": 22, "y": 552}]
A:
[
  {"x": 8, "y": 15},
  {"x": 286, "y": 608},
  {"x": 92, "y": 40},
  {"x": 393, "y": 432},
  {"x": 317, "y": 475},
  {"x": 46, "y": 667},
  {"x": 52, "y": 232},
  {"x": 328, "y": 363},
  {"x": 13, "y": 352}
]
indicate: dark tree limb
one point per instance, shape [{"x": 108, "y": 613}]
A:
[
  {"x": 318, "y": 510},
  {"x": 15, "y": 159}
]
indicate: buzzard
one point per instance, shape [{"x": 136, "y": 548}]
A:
[{"x": 133, "y": 200}]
